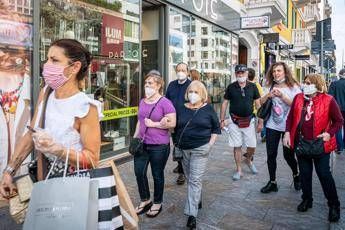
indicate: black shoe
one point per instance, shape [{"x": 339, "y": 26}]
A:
[
  {"x": 191, "y": 223},
  {"x": 144, "y": 208},
  {"x": 176, "y": 169},
  {"x": 305, "y": 205},
  {"x": 180, "y": 179},
  {"x": 270, "y": 187},
  {"x": 334, "y": 214},
  {"x": 200, "y": 205},
  {"x": 297, "y": 182}
]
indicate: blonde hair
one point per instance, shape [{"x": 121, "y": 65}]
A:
[
  {"x": 318, "y": 80},
  {"x": 156, "y": 78},
  {"x": 200, "y": 88}
]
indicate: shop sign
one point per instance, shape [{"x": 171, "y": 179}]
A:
[
  {"x": 302, "y": 57},
  {"x": 112, "y": 36},
  {"x": 120, "y": 113},
  {"x": 255, "y": 22},
  {"x": 218, "y": 12},
  {"x": 271, "y": 38},
  {"x": 15, "y": 33}
]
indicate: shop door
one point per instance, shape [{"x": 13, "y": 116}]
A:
[{"x": 152, "y": 36}]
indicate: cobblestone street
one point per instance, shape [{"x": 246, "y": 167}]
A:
[
  {"x": 240, "y": 205},
  {"x": 234, "y": 205}
]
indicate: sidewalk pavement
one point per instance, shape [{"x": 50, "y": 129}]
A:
[{"x": 234, "y": 205}]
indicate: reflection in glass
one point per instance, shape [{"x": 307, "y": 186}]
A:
[{"x": 110, "y": 31}]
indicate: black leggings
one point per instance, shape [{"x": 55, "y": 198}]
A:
[{"x": 272, "y": 142}]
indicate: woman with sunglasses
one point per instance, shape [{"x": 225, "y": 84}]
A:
[{"x": 315, "y": 115}]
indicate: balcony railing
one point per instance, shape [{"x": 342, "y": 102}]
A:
[
  {"x": 302, "y": 3},
  {"x": 302, "y": 38},
  {"x": 311, "y": 13}
]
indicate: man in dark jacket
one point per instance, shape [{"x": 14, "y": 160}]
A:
[
  {"x": 337, "y": 90},
  {"x": 176, "y": 94}
]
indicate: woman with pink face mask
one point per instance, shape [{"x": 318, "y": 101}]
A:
[{"x": 71, "y": 118}]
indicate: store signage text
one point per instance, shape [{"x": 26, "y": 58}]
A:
[
  {"x": 119, "y": 113},
  {"x": 113, "y": 35},
  {"x": 255, "y": 22},
  {"x": 132, "y": 53},
  {"x": 204, "y": 6}
]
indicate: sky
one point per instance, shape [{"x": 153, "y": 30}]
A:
[{"x": 338, "y": 30}]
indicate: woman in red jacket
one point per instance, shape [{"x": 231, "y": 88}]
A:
[{"x": 320, "y": 117}]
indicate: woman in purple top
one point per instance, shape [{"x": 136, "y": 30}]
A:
[{"x": 154, "y": 130}]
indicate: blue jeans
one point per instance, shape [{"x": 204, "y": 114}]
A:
[
  {"x": 323, "y": 171},
  {"x": 157, "y": 156}
]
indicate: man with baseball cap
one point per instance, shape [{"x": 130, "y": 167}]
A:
[
  {"x": 241, "y": 125},
  {"x": 337, "y": 90}
]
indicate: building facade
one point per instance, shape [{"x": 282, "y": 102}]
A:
[{"x": 127, "y": 38}]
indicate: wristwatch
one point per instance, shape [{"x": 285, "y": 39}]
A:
[{"x": 9, "y": 170}]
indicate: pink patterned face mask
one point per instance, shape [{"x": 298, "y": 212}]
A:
[{"x": 54, "y": 76}]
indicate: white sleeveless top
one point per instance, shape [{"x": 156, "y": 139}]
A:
[{"x": 60, "y": 118}]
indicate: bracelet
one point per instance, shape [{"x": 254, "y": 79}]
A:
[{"x": 9, "y": 170}]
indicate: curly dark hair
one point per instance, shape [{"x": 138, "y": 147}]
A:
[{"x": 289, "y": 79}]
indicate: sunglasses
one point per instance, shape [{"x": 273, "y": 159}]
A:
[{"x": 242, "y": 92}]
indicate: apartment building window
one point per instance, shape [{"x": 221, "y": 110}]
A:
[
  {"x": 192, "y": 41},
  {"x": 206, "y": 65},
  {"x": 204, "y": 42},
  {"x": 213, "y": 66},
  {"x": 191, "y": 53},
  {"x": 294, "y": 17},
  {"x": 204, "y": 30},
  {"x": 286, "y": 21},
  {"x": 204, "y": 54}
]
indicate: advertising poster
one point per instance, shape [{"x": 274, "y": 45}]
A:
[
  {"x": 112, "y": 36},
  {"x": 15, "y": 64}
]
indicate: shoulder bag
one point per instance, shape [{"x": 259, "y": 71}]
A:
[
  {"x": 136, "y": 145},
  {"x": 308, "y": 148},
  {"x": 177, "y": 152},
  {"x": 264, "y": 112}
]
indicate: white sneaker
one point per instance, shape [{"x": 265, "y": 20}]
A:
[
  {"x": 236, "y": 176},
  {"x": 252, "y": 168}
]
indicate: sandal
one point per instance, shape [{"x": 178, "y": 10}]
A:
[
  {"x": 156, "y": 210},
  {"x": 144, "y": 208}
]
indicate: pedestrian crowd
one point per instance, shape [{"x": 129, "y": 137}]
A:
[{"x": 307, "y": 118}]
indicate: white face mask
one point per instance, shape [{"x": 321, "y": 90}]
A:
[
  {"x": 181, "y": 76},
  {"x": 149, "y": 92},
  {"x": 242, "y": 79},
  {"x": 193, "y": 98},
  {"x": 279, "y": 81},
  {"x": 309, "y": 89}
]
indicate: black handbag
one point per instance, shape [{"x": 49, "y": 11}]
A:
[
  {"x": 177, "y": 152},
  {"x": 308, "y": 148},
  {"x": 136, "y": 146},
  {"x": 264, "y": 112}
]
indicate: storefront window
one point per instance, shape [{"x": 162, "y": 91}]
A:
[
  {"x": 110, "y": 30},
  {"x": 15, "y": 74},
  {"x": 203, "y": 47}
]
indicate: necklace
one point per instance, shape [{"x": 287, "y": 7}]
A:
[{"x": 9, "y": 100}]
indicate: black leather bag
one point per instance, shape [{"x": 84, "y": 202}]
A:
[
  {"x": 136, "y": 146},
  {"x": 264, "y": 112},
  {"x": 310, "y": 148},
  {"x": 307, "y": 148}
]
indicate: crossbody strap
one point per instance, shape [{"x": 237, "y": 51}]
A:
[
  {"x": 150, "y": 117},
  {"x": 185, "y": 127}
]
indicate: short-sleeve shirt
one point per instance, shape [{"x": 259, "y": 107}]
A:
[
  {"x": 241, "y": 100},
  {"x": 199, "y": 130},
  {"x": 176, "y": 92},
  {"x": 280, "y": 109},
  {"x": 154, "y": 135}
]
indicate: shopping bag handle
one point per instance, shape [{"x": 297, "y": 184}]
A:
[{"x": 53, "y": 165}]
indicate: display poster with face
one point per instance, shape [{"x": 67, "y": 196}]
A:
[{"x": 15, "y": 71}]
